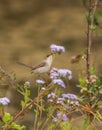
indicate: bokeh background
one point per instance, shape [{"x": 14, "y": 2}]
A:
[{"x": 29, "y": 27}]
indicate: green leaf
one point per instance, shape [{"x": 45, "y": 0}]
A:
[
  {"x": 7, "y": 118},
  {"x": 22, "y": 104},
  {"x": 98, "y": 18},
  {"x": 16, "y": 127},
  {"x": 66, "y": 126},
  {"x": 26, "y": 99},
  {"x": 39, "y": 123},
  {"x": 82, "y": 82},
  {"x": 85, "y": 125},
  {"x": 93, "y": 27},
  {"x": 92, "y": 70},
  {"x": 36, "y": 112}
]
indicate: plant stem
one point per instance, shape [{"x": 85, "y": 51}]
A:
[
  {"x": 89, "y": 42},
  {"x": 34, "y": 101},
  {"x": 91, "y": 14}
]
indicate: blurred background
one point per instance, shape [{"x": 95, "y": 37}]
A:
[{"x": 29, "y": 27}]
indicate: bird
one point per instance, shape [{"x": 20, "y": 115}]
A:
[
  {"x": 76, "y": 58},
  {"x": 43, "y": 67}
]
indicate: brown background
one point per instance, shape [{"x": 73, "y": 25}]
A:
[{"x": 29, "y": 27}]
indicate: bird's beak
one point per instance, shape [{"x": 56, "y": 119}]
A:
[{"x": 49, "y": 54}]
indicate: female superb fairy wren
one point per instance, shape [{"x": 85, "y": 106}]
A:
[{"x": 43, "y": 67}]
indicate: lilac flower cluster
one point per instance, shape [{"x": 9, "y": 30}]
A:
[
  {"x": 57, "y": 74},
  {"x": 60, "y": 116},
  {"x": 66, "y": 100},
  {"x": 59, "y": 82},
  {"x": 43, "y": 88},
  {"x": 57, "y": 49},
  {"x": 70, "y": 100},
  {"x": 54, "y": 73},
  {"x": 52, "y": 97},
  {"x": 27, "y": 83},
  {"x": 69, "y": 96},
  {"x": 40, "y": 81},
  {"x": 65, "y": 73},
  {"x": 4, "y": 101}
]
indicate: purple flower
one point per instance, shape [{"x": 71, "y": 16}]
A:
[
  {"x": 64, "y": 117},
  {"x": 65, "y": 73},
  {"x": 74, "y": 103},
  {"x": 27, "y": 83},
  {"x": 60, "y": 116},
  {"x": 59, "y": 82},
  {"x": 60, "y": 101},
  {"x": 70, "y": 96},
  {"x": 40, "y": 81},
  {"x": 57, "y": 49},
  {"x": 55, "y": 119},
  {"x": 51, "y": 95},
  {"x": 4, "y": 101},
  {"x": 43, "y": 88},
  {"x": 54, "y": 73}
]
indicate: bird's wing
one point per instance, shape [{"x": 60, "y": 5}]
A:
[{"x": 39, "y": 65}]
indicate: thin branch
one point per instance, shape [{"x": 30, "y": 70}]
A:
[
  {"x": 34, "y": 101},
  {"x": 91, "y": 14}
]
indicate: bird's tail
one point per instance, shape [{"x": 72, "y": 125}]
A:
[{"x": 20, "y": 63}]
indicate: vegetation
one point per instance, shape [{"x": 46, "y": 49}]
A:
[{"x": 53, "y": 107}]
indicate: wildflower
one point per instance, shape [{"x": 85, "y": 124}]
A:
[
  {"x": 55, "y": 119},
  {"x": 50, "y": 100},
  {"x": 60, "y": 116},
  {"x": 93, "y": 79},
  {"x": 65, "y": 72},
  {"x": 64, "y": 117},
  {"x": 70, "y": 96},
  {"x": 4, "y": 101},
  {"x": 74, "y": 103},
  {"x": 51, "y": 95},
  {"x": 54, "y": 73},
  {"x": 59, "y": 82},
  {"x": 57, "y": 49},
  {"x": 43, "y": 88},
  {"x": 60, "y": 101},
  {"x": 27, "y": 83},
  {"x": 40, "y": 81}
]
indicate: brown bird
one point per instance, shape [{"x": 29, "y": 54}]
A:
[
  {"x": 76, "y": 58},
  {"x": 43, "y": 67}
]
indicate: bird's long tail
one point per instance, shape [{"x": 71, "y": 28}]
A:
[{"x": 20, "y": 63}]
